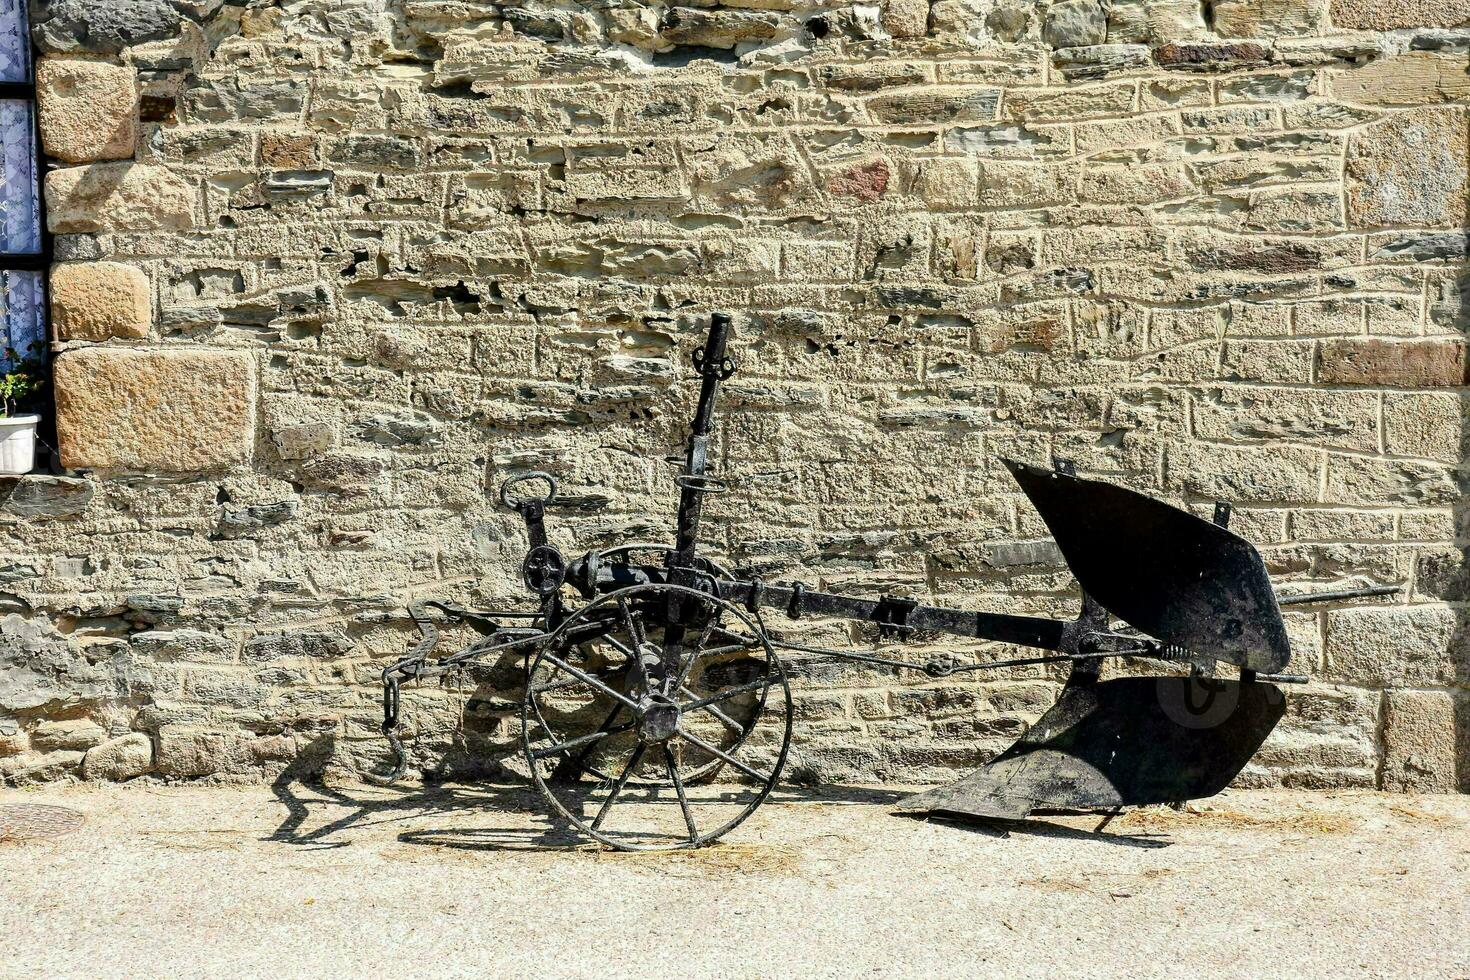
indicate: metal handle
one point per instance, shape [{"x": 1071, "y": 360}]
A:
[{"x": 546, "y": 501}]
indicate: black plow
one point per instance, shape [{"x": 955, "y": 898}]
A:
[{"x": 657, "y": 710}]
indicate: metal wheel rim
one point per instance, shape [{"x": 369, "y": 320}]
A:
[
  {"x": 777, "y": 668},
  {"x": 714, "y": 766}
]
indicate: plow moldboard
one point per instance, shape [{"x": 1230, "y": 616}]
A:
[
  {"x": 1162, "y": 570},
  {"x": 1127, "y": 742}
]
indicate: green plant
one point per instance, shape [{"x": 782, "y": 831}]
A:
[{"x": 24, "y": 381}]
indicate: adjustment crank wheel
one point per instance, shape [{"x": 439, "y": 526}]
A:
[{"x": 652, "y": 736}]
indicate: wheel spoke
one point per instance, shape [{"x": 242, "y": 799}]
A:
[
  {"x": 593, "y": 681},
  {"x": 733, "y": 692},
  {"x": 679, "y": 788},
  {"x": 583, "y": 740},
  {"x": 725, "y": 719},
  {"x": 700, "y": 743},
  {"x": 564, "y": 684},
  {"x": 613, "y": 642},
  {"x": 617, "y": 788},
  {"x": 695, "y": 651},
  {"x": 635, "y": 628},
  {"x": 570, "y": 767},
  {"x": 731, "y": 648}
]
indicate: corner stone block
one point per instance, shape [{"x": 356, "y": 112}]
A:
[
  {"x": 89, "y": 110},
  {"x": 154, "y": 411},
  {"x": 1419, "y": 743},
  {"x": 1416, "y": 78},
  {"x": 107, "y": 197},
  {"x": 100, "y": 300},
  {"x": 1392, "y": 15},
  {"x": 1410, "y": 170}
]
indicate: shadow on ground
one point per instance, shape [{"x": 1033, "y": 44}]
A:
[{"x": 322, "y": 815}]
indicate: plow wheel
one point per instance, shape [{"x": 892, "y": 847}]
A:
[{"x": 652, "y": 737}]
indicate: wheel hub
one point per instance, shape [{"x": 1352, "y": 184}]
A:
[{"x": 660, "y": 719}]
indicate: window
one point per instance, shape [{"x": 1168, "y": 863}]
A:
[{"x": 23, "y": 241}]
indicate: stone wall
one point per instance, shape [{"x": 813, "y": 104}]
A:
[{"x": 329, "y": 270}]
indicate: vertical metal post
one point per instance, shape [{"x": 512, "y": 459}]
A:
[
  {"x": 714, "y": 366},
  {"x": 694, "y": 482}
]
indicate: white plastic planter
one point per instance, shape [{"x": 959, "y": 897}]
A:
[{"x": 18, "y": 444}]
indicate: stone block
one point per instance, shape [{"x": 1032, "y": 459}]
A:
[
  {"x": 1419, "y": 742},
  {"x": 865, "y": 182},
  {"x": 930, "y": 106},
  {"x": 102, "y": 28},
  {"x": 189, "y": 755},
  {"x": 716, "y": 28},
  {"x": 1267, "y": 18},
  {"x": 120, "y": 759},
  {"x": 289, "y": 151},
  {"x": 1385, "y": 646},
  {"x": 1409, "y": 170},
  {"x": 1391, "y": 363},
  {"x": 35, "y": 496},
  {"x": 1392, "y": 15},
  {"x": 88, "y": 110},
  {"x": 305, "y": 440},
  {"x": 1212, "y": 57},
  {"x": 906, "y": 18},
  {"x": 1154, "y": 21},
  {"x": 73, "y": 735},
  {"x": 106, "y": 197},
  {"x": 948, "y": 182},
  {"x": 31, "y": 768},
  {"x": 1416, "y": 78},
  {"x": 1328, "y": 737},
  {"x": 185, "y": 645},
  {"x": 100, "y": 300},
  {"x": 1075, "y": 24},
  {"x": 1430, "y": 426},
  {"x": 154, "y": 410}
]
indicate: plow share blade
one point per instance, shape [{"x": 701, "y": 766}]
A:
[{"x": 1126, "y": 742}]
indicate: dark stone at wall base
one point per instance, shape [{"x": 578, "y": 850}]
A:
[{"x": 44, "y": 496}]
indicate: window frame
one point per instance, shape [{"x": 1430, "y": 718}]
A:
[{"x": 39, "y": 261}]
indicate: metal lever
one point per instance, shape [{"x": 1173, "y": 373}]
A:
[{"x": 516, "y": 505}]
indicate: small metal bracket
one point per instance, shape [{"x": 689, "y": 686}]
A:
[
  {"x": 892, "y": 616},
  {"x": 756, "y": 593},
  {"x": 798, "y": 598},
  {"x": 722, "y": 369},
  {"x": 1223, "y": 510},
  {"x": 1063, "y": 466}
]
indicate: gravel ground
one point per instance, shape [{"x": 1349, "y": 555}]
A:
[{"x": 292, "y": 881}]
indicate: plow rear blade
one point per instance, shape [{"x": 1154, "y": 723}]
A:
[
  {"x": 1125, "y": 742},
  {"x": 1162, "y": 570}
]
